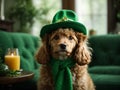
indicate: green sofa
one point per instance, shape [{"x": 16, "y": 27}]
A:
[
  {"x": 105, "y": 66},
  {"x": 27, "y": 45}
]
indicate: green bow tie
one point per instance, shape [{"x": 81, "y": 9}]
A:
[{"x": 61, "y": 73}]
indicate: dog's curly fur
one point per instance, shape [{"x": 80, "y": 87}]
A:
[{"x": 61, "y": 44}]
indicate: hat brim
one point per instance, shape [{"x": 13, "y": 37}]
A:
[{"x": 67, "y": 24}]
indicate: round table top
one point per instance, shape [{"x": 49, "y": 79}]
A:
[{"x": 25, "y": 75}]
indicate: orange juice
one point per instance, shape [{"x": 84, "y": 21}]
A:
[{"x": 13, "y": 62}]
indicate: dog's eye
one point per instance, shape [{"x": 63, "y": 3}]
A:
[
  {"x": 70, "y": 37},
  {"x": 56, "y": 37}
]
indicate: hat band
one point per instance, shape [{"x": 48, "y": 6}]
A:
[{"x": 64, "y": 19}]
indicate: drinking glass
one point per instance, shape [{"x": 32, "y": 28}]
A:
[{"x": 12, "y": 59}]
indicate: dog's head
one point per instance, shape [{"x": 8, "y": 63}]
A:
[{"x": 64, "y": 43}]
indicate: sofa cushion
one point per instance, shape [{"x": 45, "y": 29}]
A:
[
  {"x": 106, "y": 82},
  {"x": 106, "y": 50},
  {"x": 106, "y": 79},
  {"x": 112, "y": 70}
]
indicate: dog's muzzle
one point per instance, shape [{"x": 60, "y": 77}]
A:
[{"x": 63, "y": 46}]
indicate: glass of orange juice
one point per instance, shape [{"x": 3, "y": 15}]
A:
[{"x": 12, "y": 59}]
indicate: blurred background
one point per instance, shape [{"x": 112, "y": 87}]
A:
[{"x": 28, "y": 16}]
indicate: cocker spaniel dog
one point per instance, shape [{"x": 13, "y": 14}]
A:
[{"x": 62, "y": 44}]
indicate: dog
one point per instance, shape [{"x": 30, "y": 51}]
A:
[{"x": 61, "y": 44}]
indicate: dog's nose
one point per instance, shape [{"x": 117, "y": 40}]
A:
[{"x": 62, "y": 46}]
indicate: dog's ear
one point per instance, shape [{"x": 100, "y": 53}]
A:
[
  {"x": 42, "y": 55},
  {"x": 82, "y": 53}
]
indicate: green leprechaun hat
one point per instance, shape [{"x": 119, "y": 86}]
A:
[{"x": 64, "y": 19}]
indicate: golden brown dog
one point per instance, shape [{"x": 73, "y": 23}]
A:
[{"x": 61, "y": 44}]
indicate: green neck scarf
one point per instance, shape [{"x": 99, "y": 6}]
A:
[{"x": 61, "y": 73}]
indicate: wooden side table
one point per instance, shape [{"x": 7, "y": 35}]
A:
[
  {"x": 8, "y": 81},
  {"x": 6, "y": 25}
]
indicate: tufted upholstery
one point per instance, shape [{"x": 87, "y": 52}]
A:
[
  {"x": 107, "y": 49},
  {"x": 105, "y": 65},
  {"x": 27, "y": 45}
]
